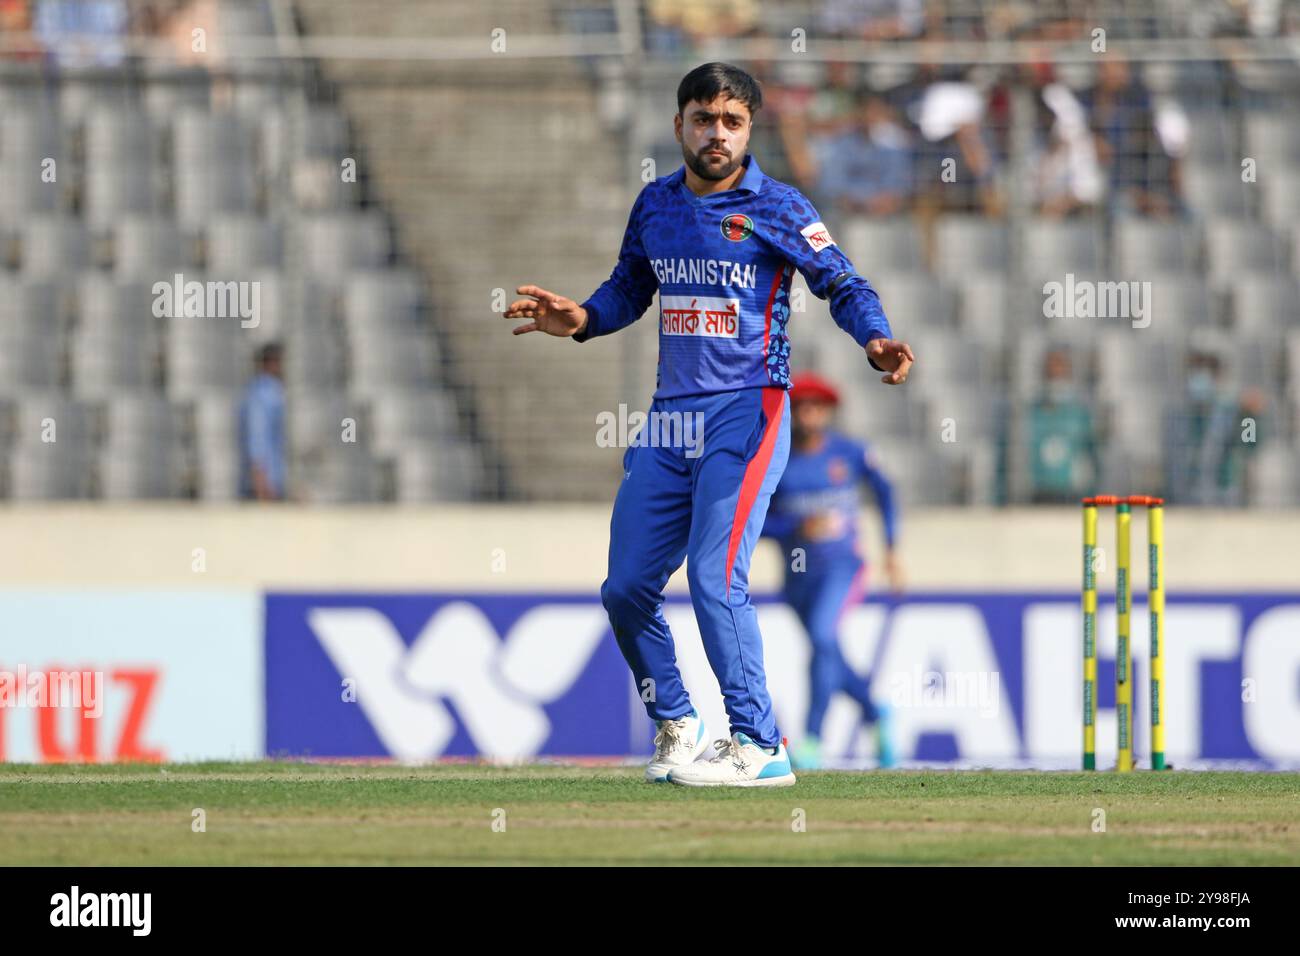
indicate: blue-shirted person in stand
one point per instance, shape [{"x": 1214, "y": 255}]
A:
[
  {"x": 261, "y": 430},
  {"x": 720, "y": 242},
  {"x": 813, "y": 515}
]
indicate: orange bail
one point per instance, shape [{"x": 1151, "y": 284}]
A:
[{"x": 1133, "y": 501}]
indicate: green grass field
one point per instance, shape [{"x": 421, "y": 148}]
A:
[{"x": 299, "y": 813}]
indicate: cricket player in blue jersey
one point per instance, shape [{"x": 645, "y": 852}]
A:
[
  {"x": 720, "y": 241},
  {"x": 813, "y": 516}
]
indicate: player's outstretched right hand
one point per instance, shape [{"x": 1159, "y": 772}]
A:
[{"x": 550, "y": 313}]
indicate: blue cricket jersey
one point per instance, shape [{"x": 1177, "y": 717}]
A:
[
  {"x": 826, "y": 481},
  {"x": 723, "y": 264}
]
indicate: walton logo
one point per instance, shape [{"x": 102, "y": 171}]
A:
[{"x": 496, "y": 687}]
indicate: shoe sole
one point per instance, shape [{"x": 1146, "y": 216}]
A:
[{"x": 787, "y": 781}]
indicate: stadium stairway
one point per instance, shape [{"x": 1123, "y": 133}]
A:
[{"x": 536, "y": 215}]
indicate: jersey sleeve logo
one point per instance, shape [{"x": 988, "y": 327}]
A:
[
  {"x": 818, "y": 236},
  {"x": 737, "y": 228}
]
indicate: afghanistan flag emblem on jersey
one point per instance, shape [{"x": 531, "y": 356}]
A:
[{"x": 737, "y": 227}]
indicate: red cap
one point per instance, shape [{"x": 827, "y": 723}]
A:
[{"x": 809, "y": 385}]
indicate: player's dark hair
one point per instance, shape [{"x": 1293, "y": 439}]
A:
[{"x": 705, "y": 83}]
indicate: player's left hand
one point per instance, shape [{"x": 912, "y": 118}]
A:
[{"x": 894, "y": 357}]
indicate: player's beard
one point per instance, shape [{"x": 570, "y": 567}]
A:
[{"x": 700, "y": 166}]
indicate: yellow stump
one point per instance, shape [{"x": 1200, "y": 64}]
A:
[
  {"x": 1123, "y": 653},
  {"x": 1156, "y": 600},
  {"x": 1089, "y": 637}
]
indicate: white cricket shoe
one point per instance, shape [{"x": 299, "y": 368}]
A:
[
  {"x": 739, "y": 762},
  {"x": 677, "y": 743}
]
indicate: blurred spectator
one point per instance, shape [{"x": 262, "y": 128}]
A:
[
  {"x": 1205, "y": 451},
  {"x": 178, "y": 26},
  {"x": 867, "y": 169},
  {"x": 679, "y": 26},
  {"x": 1067, "y": 173},
  {"x": 261, "y": 430},
  {"x": 827, "y": 106},
  {"x": 1062, "y": 436},
  {"x": 956, "y": 167},
  {"x": 1140, "y": 168},
  {"x": 872, "y": 19},
  {"x": 16, "y": 27},
  {"x": 83, "y": 33}
]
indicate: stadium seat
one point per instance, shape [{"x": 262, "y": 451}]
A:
[
  {"x": 27, "y": 140},
  {"x": 1132, "y": 364},
  {"x": 108, "y": 365},
  {"x": 207, "y": 190},
  {"x": 332, "y": 245},
  {"x": 84, "y": 97},
  {"x": 201, "y": 137},
  {"x": 116, "y": 188},
  {"x": 142, "y": 455},
  {"x": 382, "y": 297},
  {"x": 62, "y": 468},
  {"x": 1142, "y": 246},
  {"x": 1210, "y": 139},
  {"x": 314, "y": 422},
  {"x": 985, "y": 305},
  {"x": 1215, "y": 191},
  {"x": 49, "y": 472},
  {"x": 450, "y": 471},
  {"x": 1051, "y": 249},
  {"x": 40, "y": 302},
  {"x": 1280, "y": 188},
  {"x": 917, "y": 301},
  {"x": 240, "y": 243},
  {"x": 964, "y": 412},
  {"x": 1244, "y": 247},
  {"x": 951, "y": 360},
  {"x": 150, "y": 471},
  {"x": 1266, "y": 306},
  {"x": 203, "y": 354},
  {"x": 110, "y": 307},
  {"x": 293, "y": 133},
  {"x": 341, "y": 476},
  {"x": 1272, "y": 477},
  {"x": 1273, "y": 135},
  {"x": 878, "y": 246},
  {"x": 150, "y": 249},
  {"x": 965, "y": 245},
  {"x": 169, "y": 89},
  {"x": 391, "y": 359},
  {"x": 401, "y": 419},
  {"x": 54, "y": 247},
  {"x": 1181, "y": 304},
  {"x": 31, "y": 351}
]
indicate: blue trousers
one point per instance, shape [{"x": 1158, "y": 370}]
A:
[
  {"x": 819, "y": 599},
  {"x": 705, "y": 506}
]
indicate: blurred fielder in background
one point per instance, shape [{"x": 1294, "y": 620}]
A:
[{"x": 813, "y": 516}]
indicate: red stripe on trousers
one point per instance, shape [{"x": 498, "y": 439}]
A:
[{"x": 755, "y": 471}]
